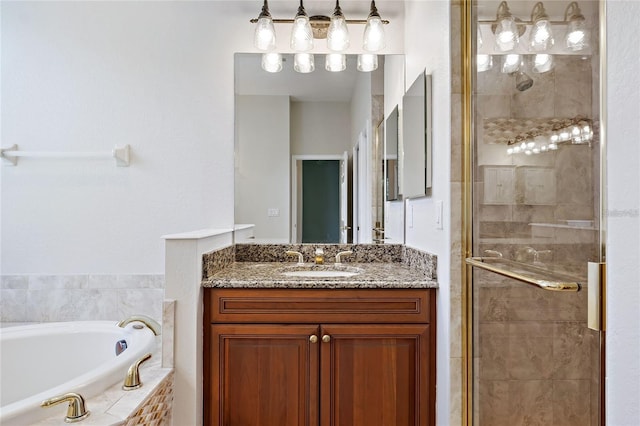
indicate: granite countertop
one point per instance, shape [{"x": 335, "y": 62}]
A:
[{"x": 272, "y": 275}]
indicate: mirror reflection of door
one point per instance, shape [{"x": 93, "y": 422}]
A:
[
  {"x": 320, "y": 201},
  {"x": 320, "y": 197}
]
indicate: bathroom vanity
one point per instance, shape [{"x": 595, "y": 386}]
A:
[{"x": 311, "y": 349}]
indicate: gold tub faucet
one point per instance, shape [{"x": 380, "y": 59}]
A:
[{"x": 152, "y": 324}]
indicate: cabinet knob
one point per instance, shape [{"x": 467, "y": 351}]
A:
[
  {"x": 326, "y": 338},
  {"x": 313, "y": 338}
]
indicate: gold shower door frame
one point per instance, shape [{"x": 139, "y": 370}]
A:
[{"x": 468, "y": 34}]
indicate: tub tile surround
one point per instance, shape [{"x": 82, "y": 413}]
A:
[
  {"x": 51, "y": 298},
  {"x": 420, "y": 267}
]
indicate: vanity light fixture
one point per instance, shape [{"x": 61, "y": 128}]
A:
[
  {"x": 335, "y": 62},
  {"x": 333, "y": 28},
  {"x": 577, "y": 37},
  {"x": 338, "y": 33},
  {"x": 507, "y": 29},
  {"x": 303, "y": 62},
  {"x": 367, "y": 62},
  {"x": 542, "y": 63},
  {"x": 484, "y": 62},
  {"x": 541, "y": 37},
  {"x": 272, "y": 62},
  {"x": 511, "y": 63},
  {"x": 265, "y": 33},
  {"x": 301, "y": 33},
  {"x": 576, "y": 131},
  {"x": 374, "y": 39}
]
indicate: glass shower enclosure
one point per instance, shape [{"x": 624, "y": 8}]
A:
[{"x": 537, "y": 223}]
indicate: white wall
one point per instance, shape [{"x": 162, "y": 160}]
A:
[
  {"x": 320, "y": 128},
  {"x": 86, "y": 76},
  {"x": 262, "y": 165},
  {"x": 420, "y": 225},
  {"x": 623, "y": 216}
]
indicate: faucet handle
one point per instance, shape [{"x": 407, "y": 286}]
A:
[
  {"x": 296, "y": 253},
  {"x": 342, "y": 253},
  {"x": 76, "y": 410},
  {"x": 132, "y": 380}
]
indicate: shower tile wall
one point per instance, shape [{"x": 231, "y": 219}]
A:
[
  {"x": 49, "y": 298},
  {"x": 534, "y": 361}
]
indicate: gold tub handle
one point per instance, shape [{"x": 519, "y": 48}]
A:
[
  {"x": 76, "y": 410},
  {"x": 132, "y": 380}
]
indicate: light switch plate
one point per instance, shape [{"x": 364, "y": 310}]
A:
[{"x": 439, "y": 213}]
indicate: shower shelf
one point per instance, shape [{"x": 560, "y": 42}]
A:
[{"x": 529, "y": 274}]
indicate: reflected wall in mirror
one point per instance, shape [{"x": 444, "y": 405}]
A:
[
  {"x": 283, "y": 120},
  {"x": 416, "y": 138},
  {"x": 391, "y": 156}
]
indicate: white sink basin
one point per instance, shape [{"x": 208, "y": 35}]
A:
[
  {"x": 320, "y": 274},
  {"x": 320, "y": 271}
]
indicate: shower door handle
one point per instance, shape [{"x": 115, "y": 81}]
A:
[{"x": 596, "y": 295}]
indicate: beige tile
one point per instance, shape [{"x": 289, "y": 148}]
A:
[
  {"x": 571, "y": 403},
  {"x": 493, "y": 403},
  {"x": 493, "y": 345},
  {"x": 572, "y": 345},
  {"x": 530, "y": 351},
  {"x": 530, "y": 403},
  {"x": 455, "y": 398}
]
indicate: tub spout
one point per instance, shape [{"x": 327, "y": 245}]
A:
[
  {"x": 76, "y": 410},
  {"x": 132, "y": 380},
  {"x": 148, "y": 321}
]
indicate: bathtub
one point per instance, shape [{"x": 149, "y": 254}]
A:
[{"x": 45, "y": 360}]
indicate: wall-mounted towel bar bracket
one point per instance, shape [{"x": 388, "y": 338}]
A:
[
  {"x": 529, "y": 274},
  {"x": 121, "y": 154}
]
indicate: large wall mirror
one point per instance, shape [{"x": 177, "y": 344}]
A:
[
  {"x": 391, "y": 176},
  {"x": 305, "y": 144},
  {"x": 416, "y": 138}
]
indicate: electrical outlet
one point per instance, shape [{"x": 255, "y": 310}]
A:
[{"x": 273, "y": 212}]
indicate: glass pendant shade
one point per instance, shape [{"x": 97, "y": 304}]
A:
[
  {"x": 511, "y": 63},
  {"x": 542, "y": 63},
  {"x": 265, "y": 35},
  {"x": 577, "y": 38},
  {"x": 374, "y": 39},
  {"x": 303, "y": 63},
  {"x": 541, "y": 37},
  {"x": 338, "y": 34},
  {"x": 484, "y": 63},
  {"x": 301, "y": 33},
  {"x": 335, "y": 62},
  {"x": 272, "y": 62},
  {"x": 367, "y": 62},
  {"x": 506, "y": 34}
]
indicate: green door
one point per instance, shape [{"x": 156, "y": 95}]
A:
[{"x": 320, "y": 201}]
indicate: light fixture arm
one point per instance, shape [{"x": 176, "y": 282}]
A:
[
  {"x": 301, "y": 11},
  {"x": 573, "y": 12},
  {"x": 374, "y": 10},
  {"x": 338, "y": 10},
  {"x": 539, "y": 13},
  {"x": 503, "y": 11},
  {"x": 265, "y": 11}
]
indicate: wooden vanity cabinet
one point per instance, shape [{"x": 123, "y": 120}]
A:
[{"x": 279, "y": 357}]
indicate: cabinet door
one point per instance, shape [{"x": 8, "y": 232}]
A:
[
  {"x": 499, "y": 184},
  {"x": 263, "y": 375},
  {"x": 376, "y": 374}
]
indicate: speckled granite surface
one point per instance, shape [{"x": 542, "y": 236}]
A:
[
  {"x": 267, "y": 266},
  {"x": 272, "y": 275},
  {"x": 214, "y": 261},
  {"x": 362, "y": 253}
]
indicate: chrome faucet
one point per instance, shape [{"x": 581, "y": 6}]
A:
[
  {"x": 76, "y": 410},
  {"x": 319, "y": 256},
  {"x": 148, "y": 321},
  {"x": 342, "y": 253}
]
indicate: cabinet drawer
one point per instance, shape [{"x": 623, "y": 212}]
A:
[{"x": 314, "y": 306}]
